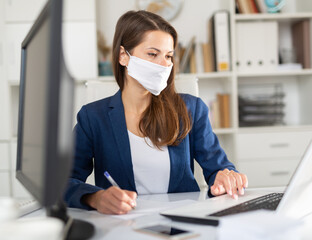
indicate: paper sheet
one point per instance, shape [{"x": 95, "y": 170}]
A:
[
  {"x": 145, "y": 207},
  {"x": 259, "y": 225}
]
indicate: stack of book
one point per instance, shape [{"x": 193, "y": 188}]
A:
[
  {"x": 185, "y": 57},
  {"x": 251, "y": 6},
  {"x": 211, "y": 56},
  {"x": 220, "y": 111},
  {"x": 261, "y": 109}
]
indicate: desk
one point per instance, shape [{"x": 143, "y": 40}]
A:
[{"x": 109, "y": 227}]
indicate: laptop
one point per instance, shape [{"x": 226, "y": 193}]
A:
[{"x": 294, "y": 202}]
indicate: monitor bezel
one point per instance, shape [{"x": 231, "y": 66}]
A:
[{"x": 46, "y": 197}]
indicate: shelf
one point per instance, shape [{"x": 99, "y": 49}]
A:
[
  {"x": 274, "y": 128},
  {"x": 209, "y": 75},
  {"x": 288, "y": 17},
  {"x": 301, "y": 72}
]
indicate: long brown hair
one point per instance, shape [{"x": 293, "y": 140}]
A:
[{"x": 166, "y": 120}]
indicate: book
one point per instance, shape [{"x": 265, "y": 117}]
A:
[
  {"x": 243, "y": 6},
  {"x": 224, "y": 106},
  {"x": 253, "y": 7},
  {"x": 221, "y": 40},
  {"x": 301, "y": 42},
  {"x": 262, "y": 7},
  {"x": 208, "y": 50},
  {"x": 192, "y": 62},
  {"x": 185, "y": 60},
  {"x": 199, "y": 57},
  {"x": 215, "y": 114},
  {"x": 208, "y": 56}
]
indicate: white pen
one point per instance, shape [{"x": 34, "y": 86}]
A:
[{"x": 110, "y": 179}]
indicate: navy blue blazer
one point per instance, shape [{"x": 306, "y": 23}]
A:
[{"x": 101, "y": 134}]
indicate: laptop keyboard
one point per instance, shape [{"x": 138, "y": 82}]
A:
[{"x": 269, "y": 202}]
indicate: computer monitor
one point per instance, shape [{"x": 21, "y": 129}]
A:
[{"x": 45, "y": 137}]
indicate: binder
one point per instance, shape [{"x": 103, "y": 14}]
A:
[
  {"x": 221, "y": 30},
  {"x": 257, "y": 46},
  {"x": 301, "y": 42}
]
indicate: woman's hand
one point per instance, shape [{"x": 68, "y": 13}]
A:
[
  {"x": 112, "y": 200},
  {"x": 229, "y": 182}
]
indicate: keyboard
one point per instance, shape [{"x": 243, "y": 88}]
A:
[
  {"x": 26, "y": 206},
  {"x": 269, "y": 202}
]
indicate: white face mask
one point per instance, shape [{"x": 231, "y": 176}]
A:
[{"x": 153, "y": 77}]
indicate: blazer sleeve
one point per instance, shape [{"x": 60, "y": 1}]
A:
[
  {"x": 82, "y": 164},
  {"x": 207, "y": 150}
]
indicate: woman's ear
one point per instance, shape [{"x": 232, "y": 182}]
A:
[{"x": 123, "y": 57}]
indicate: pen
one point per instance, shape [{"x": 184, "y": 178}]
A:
[{"x": 112, "y": 181}]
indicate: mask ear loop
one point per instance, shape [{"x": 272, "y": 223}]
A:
[{"x": 129, "y": 57}]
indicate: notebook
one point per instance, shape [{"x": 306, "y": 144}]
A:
[{"x": 294, "y": 202}]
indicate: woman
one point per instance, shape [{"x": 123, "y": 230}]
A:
[{"x": 146, "y": 135}]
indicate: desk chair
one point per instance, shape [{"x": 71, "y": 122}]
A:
[{"x": 96, "y": 90}]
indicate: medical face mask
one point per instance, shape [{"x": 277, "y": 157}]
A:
[{"x": 153, "y": 77}]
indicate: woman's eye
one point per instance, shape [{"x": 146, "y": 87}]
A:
[
  {"x": 169, "y": 57},
  {"x": 152, "y": 54}
]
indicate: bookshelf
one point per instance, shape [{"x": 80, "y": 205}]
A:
[
  {"x": 278, "y": 148},
  {"x": 103, "y": 14}
]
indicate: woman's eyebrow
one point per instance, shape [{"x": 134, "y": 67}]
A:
[{"x": 156, "y": 49}]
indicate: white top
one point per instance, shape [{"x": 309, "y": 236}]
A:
[{"x": 151, "y": 166}]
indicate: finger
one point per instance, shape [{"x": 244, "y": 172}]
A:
[
  {"x": 119, "y": 199},
  {"x": 233, "y": 186},
  {"x": 245, "y": 180},
  {"x": 219, "y": 188},
  {"x": 227, "y": 184},
  {"x": 122, "y": 205},
  {"x": 120, "y": 194},
  {"x": 239, "y": 183},
  {"x": 214, "y": 190},
  {"x": 133, "y": 196},
  {"x": 106, "y": 205}
]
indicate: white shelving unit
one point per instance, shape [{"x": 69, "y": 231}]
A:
[{"x": 268, "y": 155}]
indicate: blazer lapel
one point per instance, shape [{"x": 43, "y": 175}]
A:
[
  {"x": 119, "y": 127},
  {"x": 178, "y": 158}
]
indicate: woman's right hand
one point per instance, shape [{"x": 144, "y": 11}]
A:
[{"x": 112, "y": 200}]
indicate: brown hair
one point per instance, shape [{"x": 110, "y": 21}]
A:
[{"x": 166, "y": 120}]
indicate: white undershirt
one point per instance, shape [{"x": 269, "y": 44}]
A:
[{"x": 151, "y": 166}]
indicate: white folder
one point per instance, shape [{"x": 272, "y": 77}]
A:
[
  {"x": 257, "y": 46},
  {"x": 222, "y": 40}
]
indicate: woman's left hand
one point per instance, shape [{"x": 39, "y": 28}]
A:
[{"x": 229, "y": 182}]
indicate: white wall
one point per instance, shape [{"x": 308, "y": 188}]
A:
[{"x": 191, "y": 21}]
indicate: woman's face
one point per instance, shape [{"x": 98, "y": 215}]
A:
[{"x": 156, "y": 47}]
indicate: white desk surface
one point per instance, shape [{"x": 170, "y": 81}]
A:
[{"x": 109, "y": 227}]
